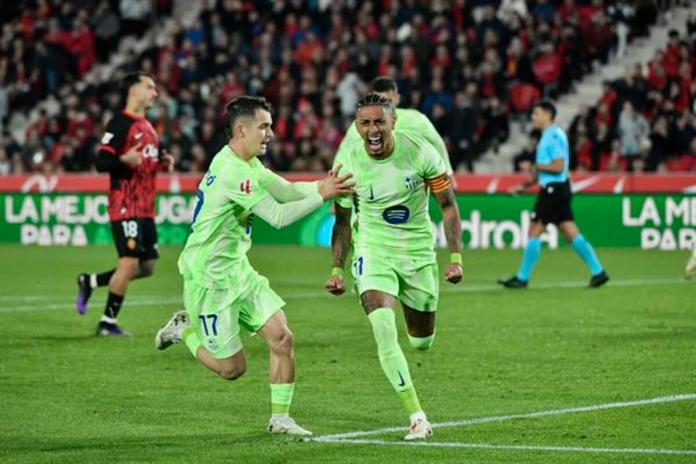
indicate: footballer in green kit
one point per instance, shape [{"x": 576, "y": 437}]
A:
[
  {"x": 222, "y": 292},
  {"x": 393, "y": 253},
  {"x": 408, "y": 120}
]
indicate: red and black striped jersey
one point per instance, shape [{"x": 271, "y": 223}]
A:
[{"x": 132, "y": 192}]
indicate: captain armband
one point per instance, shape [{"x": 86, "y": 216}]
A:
[{"x": 439, "y": 184}]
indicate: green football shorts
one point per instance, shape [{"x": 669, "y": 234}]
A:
[
  {"x": 414, "y": 282},
  {"x": 218, "y": 314}
]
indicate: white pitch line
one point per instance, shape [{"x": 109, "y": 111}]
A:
[
  {"x": 530, "y": 415},
  {"x": 441, "y": 444},
  {"x": 24, "y": 297},
  {"x": 153, "y": 299},
  {"x": 62, "y": 306}
]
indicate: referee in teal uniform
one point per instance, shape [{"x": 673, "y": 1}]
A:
[{"x": 553, "y": 203}]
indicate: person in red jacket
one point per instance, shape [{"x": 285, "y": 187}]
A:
[{"x": 129, "y": 152}]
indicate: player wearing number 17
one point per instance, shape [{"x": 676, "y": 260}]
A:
[
  {"x": 129, "y": 152},
  {"x": 222, "y": 291},
  {"x": 393, "y": 255}
]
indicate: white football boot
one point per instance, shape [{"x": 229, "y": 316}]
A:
[
  {"x": 286, "y": 424},
  {"x": 420, "y": 430},
  {"x": 172, "y": 331}
]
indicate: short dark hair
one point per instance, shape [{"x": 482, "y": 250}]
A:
[
  {"x": 130, "y": 80},
  {"x": 244, "y": 105},
  {"x": 375, "y": 99},
  {"x": 547, "y": 106},
  {"x": 383, "y": 84}
]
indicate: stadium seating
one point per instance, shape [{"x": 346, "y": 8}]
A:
[
  {"x": 645, "y": 120},
  {"x": 454, "y": 61}
]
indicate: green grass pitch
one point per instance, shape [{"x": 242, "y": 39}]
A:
[{"x": 67, "y": 396}]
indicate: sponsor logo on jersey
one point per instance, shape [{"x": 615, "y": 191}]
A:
[
  {"x": 138, "y": 136},
  {"x": 398, "y": 214},
  {"x": 106, "y": 138},
  {"x": 245, "y": 186}
]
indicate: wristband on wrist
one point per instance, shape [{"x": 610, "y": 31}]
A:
[
  {"x": 456, "y": 258},
  {"x": 337, "y": 271}
]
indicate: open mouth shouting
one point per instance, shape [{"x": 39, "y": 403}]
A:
[{"x": 375, "y": 143}]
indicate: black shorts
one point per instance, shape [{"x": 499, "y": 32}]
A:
[
  {"x": 135, "y": 238},
  {"x": 553, "y": 204}
]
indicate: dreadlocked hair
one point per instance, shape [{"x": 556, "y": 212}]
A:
[{"x": 375, "y": 99}]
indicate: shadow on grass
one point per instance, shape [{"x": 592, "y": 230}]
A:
[{"x": 152, "y": 447}]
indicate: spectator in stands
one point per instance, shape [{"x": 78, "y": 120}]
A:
[
  {"x": 5, "y": 164},
  {"x": 106, "y": 25},
  {"x": 621, "y": 14},
  {"x": 633, "y": 129},
  {"x": 3, "y": 104},
  {"x": 510, "y": 8},
  {"x": 659, "y": 144},
  {"x": 462, "y": 134},
  {"x": 497, "y": 130},
  {"x": 135, "y": 16},
  {"x": 601, "y": 148}
]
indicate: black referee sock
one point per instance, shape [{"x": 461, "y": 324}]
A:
[
  {"x": 102, "y": 279},
  {"x": 113, "y": 306}
]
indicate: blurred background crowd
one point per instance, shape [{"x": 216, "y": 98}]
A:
[{"x": 472, "y": 66}]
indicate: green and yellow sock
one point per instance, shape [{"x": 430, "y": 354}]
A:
[
  {"x": 191, "y": 340},
  {"x": 392, "y": 358},
  {"x": 281, "y": 398}
]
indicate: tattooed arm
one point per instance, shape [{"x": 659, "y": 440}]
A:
[
  {"x": 341, "y": 235},
  {"x": 340, "y": 246},
  {"x": 453, "y": 231}
]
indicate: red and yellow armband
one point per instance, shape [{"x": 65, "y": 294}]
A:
[{"x": 439, "y": 184}]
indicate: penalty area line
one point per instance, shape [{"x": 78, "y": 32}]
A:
[
  {"x": 578, "y": 449},
  {"x": 493, "y": 419}
]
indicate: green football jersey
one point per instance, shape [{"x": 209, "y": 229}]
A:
[
  {"x": 407, "y": 120},
  {"x": 391, "y": 197},
  {"x": 215, "y": 252}
]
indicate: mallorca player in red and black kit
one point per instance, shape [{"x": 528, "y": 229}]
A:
[{"x": 129, "y": 151}]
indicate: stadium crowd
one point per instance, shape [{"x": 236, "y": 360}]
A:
[
  {"x": 646, "y": 120},
  {"x": 467, "y": 64}
]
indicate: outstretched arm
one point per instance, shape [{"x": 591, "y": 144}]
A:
[
  {"x": 280, "y": 215},
  {"x": 285, "y": 191}
]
